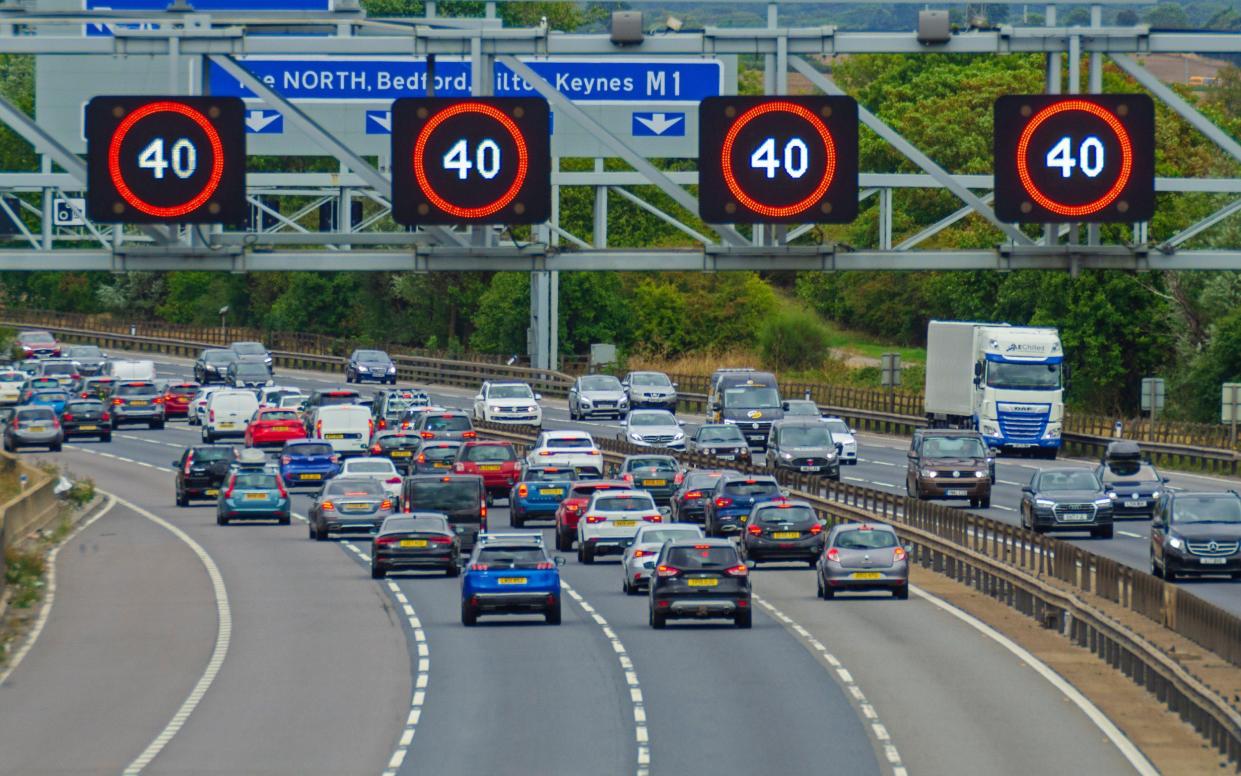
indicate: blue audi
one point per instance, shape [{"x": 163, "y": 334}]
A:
[{"x": 510, "y": 573}]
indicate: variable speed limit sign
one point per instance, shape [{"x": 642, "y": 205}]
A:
[
  {"x": 154, "y": 160},
  {"x": 471, "y": 160},
  {"x": 1074, "y": 158},
  {"x": 777, "y": 160}
]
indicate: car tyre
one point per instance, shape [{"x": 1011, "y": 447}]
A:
[
  {"x": 321, "y": 534},
  {"x": 587, "y": 554},
  {"x": 561, "y": 544},
  {"x": 156, "y": 424},
  {"x": 182, "y": 501},
  {"x": 453, "y": 570},
  {"x": 552, "y": 616},
  {"x": 1103, "y": 532},
  {"x": 469, "y": 617},
  {"x": 55, "y": 448},
  {"x": 285, "y": 520},
  {"x": 105, "y": 438},
  {"x": 818, "y": 584},
  {"x": 519, "y": 521},
  {"x": 828, "y": 593},
  {"x": 901, "y": 593},
  {"x": 744, "y": 620},
  {"x": 658, "y": 621},
  {"x": 1155, "y": 570},
  {"x": 985, "y": 503},
  {"x": 377, "y": 571},
  {"x": 220, "y": 519}
]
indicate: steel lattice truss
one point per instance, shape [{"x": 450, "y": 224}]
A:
[{"x": 285, "y": 243}]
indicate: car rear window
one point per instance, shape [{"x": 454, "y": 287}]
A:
[
  {"x": 337, "y": 397},
  {"x": 755, "y": 488},
  {"x": 13, "y": 377},
  {"x": 661, "y": 464},
  {"x": 671, "y": 533},
  {"x": 584, "y": 491},
  {"x": 796, "y": 514},
  {"x": 354, "y": 488},
  {"x": 512, "y": 557},
  {"x": 183, "y": 390},
  {"x": 703, "y": 556},
  {"x": 59, "y": 369},
  {"x": 447, "y": 423},
  {"x": 391, "y": 442},
  {"x": 315, "y": 449},
  {"x": 51, "y": 396},
  {"x": 135, "y": 389},
  {"x": 446, "y": 453},
  {"x": 278, "y": 415},
  {"x": 440, "y": 496},
  {"x": 622, "y": 504},
  {"x": 494, "y": 453},
  {"x": 547, "y": 475},
  {"x": 865, "y": 539},
  {"x": 83, "y": 406},
  {"x": 568, "y": 442},
  {"x": 698, "y": 480},
  {"x": 368, "y": 467},
  {"x": 213, "y": 453},
  {"x": 255, "y": 481},
  {"x": 41, "y": 413}
]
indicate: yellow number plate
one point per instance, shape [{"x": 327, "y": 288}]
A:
[
  {"x": 401, "y": 453},
  {"x": 282, "y": 428},
  {"x": 654, "y": 483},
  {"x": 213, "y": 492},
  {"x": 413, "y": 542},
  {"x": 357, "y": 507},
  {"x": 88, "y": 428},
  {"x": 333, "y": 436},
  {"x": 786, "y": 535},
  {"x": 226, "y": 425},
  {"x": 709, "y": 582},
  {"x": 624, "y": 523},
  {"x": 551, "y": 491},
  {"x": 37, "y": 429},
  {"x": 256, "y": 497},
  {"x": 441, "y": 464},
  {"x": 311, "y": 476},
  {"x": 512, "y": 580},
  {"x": 139, "y": 403},
  {"x": 866, "y": 575},
  {"x": 489, "y": 468}
]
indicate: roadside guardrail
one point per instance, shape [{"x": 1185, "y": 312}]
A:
[
  {"x": 30, "y": 510},
  {"x": 1044, "y": 578}
]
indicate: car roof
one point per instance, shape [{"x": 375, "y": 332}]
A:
[
  {"x": 623, "y": 492},
  {"x": 510, "y": 538},
  {"x": 946, "y": 432},
  {"x": 487, "y": 443},
  {"x": 636, "y": 456},
  {"x": 402, "y": 521},
  {"x": 843, "y": 527},
  {"x": 783, "y": 504},
  {"x": 508, "y": 382},
  {"x": 445, "y": 477},
  {"x": 367, "y": 458},
  {"x": 747, "y": 478},
  {"x": 707, "y": 540},
  {"x": 799, "y": 420},
  {"x": 1201, "y": 493},
  {"x": 567, "y": 434}
]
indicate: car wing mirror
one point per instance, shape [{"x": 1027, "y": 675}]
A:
[
  {"x": 560, "y": 560},
  {"x": 912, "y": 454},
  {"x": 1027, "y": 489},
  {"x": 175, "y": 464},
  {"x": 538, "y": 397},
  {"x": 478, "y": 397},
  {"x": 750, "y": 564}
]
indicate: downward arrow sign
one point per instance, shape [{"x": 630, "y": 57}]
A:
[
  {"x": 659, "y": 123},
  {"x": 258, "y": 120}
]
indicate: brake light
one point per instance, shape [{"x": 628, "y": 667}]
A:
[
  {"x": 67, "y": 416},
  {"x": 469, "y": 435},
  {"x": 592, "y": 452},
  {"x": 422, "y": 457},
  {"x": 441, "y": 540},
  {"x": 723, "y": 501},
  {"x": 816, "y": 529},
  {"x": 385, "y": 504},
  {"x": 117, "y": 402},
  {"x": 55, "y": 423},
  {"x": 592, "y": 519},
  {"x": 653, "y": 518},
  {"x": 370, "y": 427},
  {"x": 327, "y": 505},
  {"x": 643, "y": 553},
  {"x": 286, "y": 459},
  {"x": 627, "y": 477},
  {"x": 280, "y": 487},
  {"x": 383, "y": 423},
  {"x": 158, "y": 400},
  {"x": 393, "y": 480},
  {"x": 376, "y": 449},
  {"x": 211, "y": 416},
  {"x": 427, "y": 434},
  {"x": 319, "y": 429},
  {"x": 482, "y": 509},
  {"x": 571, "y": 506},
  {"x": 545, "y": 566},
  {"x": 523, "y": 490},
  {"x": 189, "y": 460},
  {"x": 545, "y": 452},
  {"x": 478, "y": 567},
  {"x": 232, "y": 482},
  {"x": 666, "y": 571},
  {"x": 679, "y": 478},
  {"x": 755, "y": 529},
  {"x": 692, "y": 494},
  {"x": 833, "y": 555},
  {"x": 105, "y": 416},
  {"x": 386, "y": 540},
  {"x": 740, "y": 570},
  {"x": 898, "y": 554}
]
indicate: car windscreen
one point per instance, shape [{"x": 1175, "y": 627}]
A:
[
  {"x": 83, "y": 406},
  {"x": 1069, "y": 480},
  {"x": 953, "y": 447},
  {"x": 59, "y": 368},
  {"x": 706, "y": 556},
  {"x": 84, "y": 351},
  {"x": 135, "y": 389},
  {"x": 793, "y": 514},
  {"x": 213, "y": 454},
  {"x": 514, "y": 557},
  {"x": 600, "y": 383},
  {"x": 13, "y": 377},
  {"x": 249, "y": 349},
  {"x": 35, "y": 414},
  {"x": 438, "y": 453},
  {"x": 440, "y": 496},
  {"x": 751, "y": 397},
  {"x": 864, "y": 539},
  {"x": 622, "y": 504},
  {"x": 547, "y": 475},
  {"x": 372, "y": 356},
  {"x": 447, "y": 423},
  {"x": 650, "y": 378},
  {"x": 278, "y": 415},
  {"x": 337, "y": 398},
  {"x": 716, "y": 434},
  {"x": 219, "y": 357},
  {"x": 805, "y": 436},
  {"x": 251, "y": 369},
  {"x": 311, "y": 449},
  {"x": 1129, "y": 470},
  {"x": 1222, "y": 508},
  {"x": 255, "y": 481},
  {"x": 837, "y": 427},
  {"x": 652, "y": 419},
  {"x": 569, "y": 442},
  {"x": 802, "y": 409},
  {"x": 359, "y": 488},
  {"x": 489, "y": 453},
  {"x": 36, "y": 337},
  {"x": 510, "y": 392},
  {"x": 756, "y": 488},
  {"x": 368, "y": 467},
  {"x": 659, "y": 464}
]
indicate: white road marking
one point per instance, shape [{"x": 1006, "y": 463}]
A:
[
  {"x": 640, "y": 730},
  {"x": 224, "y": 636},
  {"x": 865, "y": 707},
  {"x": 1109, "y": 729},
  {"x": 883, "y": 484},
  {"x": 1131, "y": 535},
  {"x": 422, "y": 676},
  {"x": 855, "y": 479},
  {"x": 1006, "y": 509},
  {"x": 49, "y": 596}
]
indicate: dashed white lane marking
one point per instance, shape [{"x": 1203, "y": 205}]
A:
[
  {"x": 883, "y": 484},
  {"x": 224, "y": 635},
  {"x": 49, "y": 596},
  {"x": 1006, "y": 482},
  {"x": 1006, "y": 509},
  {"x": 855, "y": 479},
  {"x": 422, "y": 676},
  {"x": 882, "y": 463},
  {"x": 865, "y": 707},
  {"x": 1109, "y": 729},
  {"x": 641, "y": 733},
  {"x": 1131, "y": 535}
]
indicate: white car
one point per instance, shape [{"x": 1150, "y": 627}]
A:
[
  {"x": 639, "y": 560},
  {"x": 508, "y": 402},
  {"x": 843, "y": 434},
  {"x": 567, "y": 449},
  {"x": 610, "y": 521},
  {"x": 381, "y": 470},
  {"x": 273, "y": 395},
  {"x": 292, "y": 402},
  {"x": 653, "y": 428},
  {"x": 198, "y": 405},
  {"x": 11, "y": 382}
]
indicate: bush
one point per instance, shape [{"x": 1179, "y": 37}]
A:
[{"x": 793, "y": 339}]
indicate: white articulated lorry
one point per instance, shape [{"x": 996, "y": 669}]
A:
[{"x": 1004, "y": 381}]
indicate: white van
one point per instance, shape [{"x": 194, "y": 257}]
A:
[
  {"x": 134, "y": 370},
  {"x": 347, "y": 427},
  {"x": 228, "y": 414}
]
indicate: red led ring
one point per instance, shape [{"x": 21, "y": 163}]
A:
[
  {"x": 118, "y": 178},
  {"x": 420, "y": 172},
  {"x": 1126, "y": 159},
  {"x": 829, "y": 171}
]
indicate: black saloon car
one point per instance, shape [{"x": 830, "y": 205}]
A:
[
  {"x": 1197, "y": 534},
  {"x": 415, "y": 542}
]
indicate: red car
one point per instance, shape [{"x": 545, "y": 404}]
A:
[
  {"x": 496, "y": 462},
  {"x": 570, "y": 509},
  {"x": 36, "y": 344},
  {"x": 273, "y": 427},
  {"x": 177, "y": 399}
]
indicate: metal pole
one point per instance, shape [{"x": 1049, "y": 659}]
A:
[
  {"x": 1095, "y": 87},
  {"x": 1051, "y": 234},
  {"x": 48, "y": 205},
  {"x": 600, "y": 239}
]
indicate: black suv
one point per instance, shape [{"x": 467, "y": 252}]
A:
[
  {"x": 460, "y": 497},
  {"x": 86, "y": 418},
  {"x": 201, "y": 471},
  {"x": 783, "y": 531},
  {"x": 700, "y": 579},
  {"x": 805, "y": 446}
]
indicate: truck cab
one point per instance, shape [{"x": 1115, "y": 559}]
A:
[{"x": 747, "y": 399}]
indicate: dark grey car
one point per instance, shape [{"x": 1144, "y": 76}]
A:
[
  {"x": 722, "y": 440},
  {"x": 1197, "y": 534},
  {"x": 90, "y": 359},
  {"x": 1133, "y": 486},
  {"x": 212, "y": 365},
  {"x": 370, "y": 365},
  {"x": 139, "y": 401},
  {"x": 803, "y": 445},
  {"x": 1066, "y": 499},
  {"x": 33, "y": 427},
  {"x": 349, "y": 505},
  {"x": 418, "y": 541},
  {"x": 252, "y": 351}
]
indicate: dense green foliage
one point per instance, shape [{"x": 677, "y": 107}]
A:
[{"x": 792, "y": 338}]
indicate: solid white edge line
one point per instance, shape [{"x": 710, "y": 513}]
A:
[
  {"x": 49, "y": 595},
  {"x": 1114, "y": 734},
  {"x": 224, "y": 635}
]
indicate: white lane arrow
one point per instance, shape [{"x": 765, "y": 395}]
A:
[
  {"x": 384, "y": 120},
  {"x": 660, "y": 123},
  {"x": 258, "y": 120}
]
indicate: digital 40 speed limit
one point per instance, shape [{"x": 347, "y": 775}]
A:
[
  {"x": 777, "y": 159},
  {"x": 166, "y": 160},
  {"x": 1075, "y": 158},
  {"x": 471, "y": 161}
]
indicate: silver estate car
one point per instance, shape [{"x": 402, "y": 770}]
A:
[
  {"x": 863, "y": 556},
  {"x": 33, "y": 427},
  {"x": 638, "y": 562}
]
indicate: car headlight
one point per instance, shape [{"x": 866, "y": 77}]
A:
[
  {"x": 584, "y": 401},
  {"x": 1044, "y": 503},
  {"x": 786, "y": 456},
  {"x": 678, "y": 436},
  {"x": 635, "y": 436},
  {"x": 1103, "y": 502},
  {"x": 623, "y": 402},
  {"x": 1176, "y": 543},
  {"x": 929, "y": 474},
  {"x": 1111, "y": 495},
  {"x": 267, "y": 360},
  {"x": 831, "y": 457},
  {"x": 981, "y": 473},
  {"x": 363, "y": 368},
  {"x": 391, "y": 369},
  {"x": 534, "y": 408},
  {"x": 1155, "y": 494},
  {"x": 494, "y": 408}
]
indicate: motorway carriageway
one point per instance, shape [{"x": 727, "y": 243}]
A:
[{"x": 328, "y": 672}]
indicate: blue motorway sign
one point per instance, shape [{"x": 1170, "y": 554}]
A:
[
  {"x": 211, "y": 5},
  {"x": 379, "y": 122},
  {"x": 347, "y": 79},
  {"x": 647, "y": 124},
  {"x": 260, "y": 121}
]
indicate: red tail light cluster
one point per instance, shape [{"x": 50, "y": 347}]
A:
[
  {"x": 899, "y": 554},
  {"x": 755, "y": 530},
  {"x": 653, "y": 518},
  {"x": 816, "y": 529},
  {"x": 692, "y": 494},
  {"x": 723, "y": 501},
  {"x": 666, "y": 571},
  {"x": 833, "y": 555},
  {"x": 740, "y": 570},
  {"x": 592, "y": 519}
]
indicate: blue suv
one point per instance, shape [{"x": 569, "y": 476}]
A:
[
  {"x": 537, "y": 495},
  {"x": 510, "y": 573},
  {"x": 305, "y": 462}
]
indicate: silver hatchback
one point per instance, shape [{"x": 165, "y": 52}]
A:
[
  {"x": 638, "y": 562},
  {"x": 863, "y": 556},
  {"x": 33, "y": 427}
]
